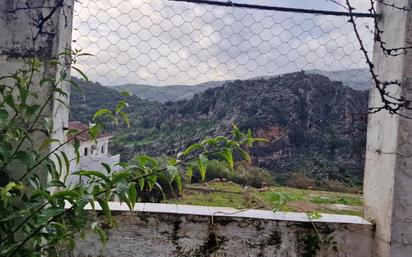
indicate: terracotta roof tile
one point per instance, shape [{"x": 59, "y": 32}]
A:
[{"x": 79, "y": 127}]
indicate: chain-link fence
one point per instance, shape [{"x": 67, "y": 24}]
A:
[{"x": 160, "y": 42}]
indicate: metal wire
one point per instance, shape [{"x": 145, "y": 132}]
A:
[
  {"x": 279, "y": 8},
  {"x": 161, "y": 42}
]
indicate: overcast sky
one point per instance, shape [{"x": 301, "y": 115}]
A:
[{"x": 159, "y": 42}]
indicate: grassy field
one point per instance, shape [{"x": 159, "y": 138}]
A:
[{"x": 229, "y": 194}]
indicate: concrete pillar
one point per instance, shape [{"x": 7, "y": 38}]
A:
[
  {"x": 388, "y": 169},
  {"x": 23, "y": 35}
]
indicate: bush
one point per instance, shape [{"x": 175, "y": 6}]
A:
[
  {"x": 251, "y": 176},
  {"x": 338, "y": 186},
  {"x": 215, "y": 169},
  {"x": 299, "y": 180},
  {"x": 244, "y": 174}
]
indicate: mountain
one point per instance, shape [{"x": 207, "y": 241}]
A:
[
  {"x": 358, "y": 79},
  {"x": 166, "y": 93},
  {"x": 315, "y": 126},
  {"x": 94, "y": 96}
]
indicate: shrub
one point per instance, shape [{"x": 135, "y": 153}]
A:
[
  {"x": 214, "y": 169},
  {"x": 338, "y": 186},
  {"x": 299, "y": 180},
  {"x": 244, "y": 174},
  {"x": 248, "y": 175}
]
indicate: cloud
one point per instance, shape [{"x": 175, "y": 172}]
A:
[{"x": 160, "y": 42}]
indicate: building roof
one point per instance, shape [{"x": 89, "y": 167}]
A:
[{"x": 79, "y": 127}]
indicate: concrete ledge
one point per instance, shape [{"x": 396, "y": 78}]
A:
[
  {"x": 158, "y": 230},
  {"x": 234, "y": 213}
]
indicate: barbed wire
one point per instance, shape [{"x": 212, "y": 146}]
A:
[
  {"x": 279, "y": 8},
  {"x": 391, "y": 103}
]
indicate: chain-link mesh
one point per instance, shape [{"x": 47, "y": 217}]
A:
[{"x": 159, "y": 42}]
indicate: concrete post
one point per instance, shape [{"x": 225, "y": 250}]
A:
[
  {"x": 33, "y": 28},
  {"x": 388, "y": 169}
]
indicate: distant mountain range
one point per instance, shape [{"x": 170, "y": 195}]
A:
[
  {"x": 358, "y": 79},
  {"x": 315, "y": 125},
  {"x": 167, "y": 93}
]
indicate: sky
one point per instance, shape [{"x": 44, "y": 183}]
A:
[{"x": 159, "y": 42}]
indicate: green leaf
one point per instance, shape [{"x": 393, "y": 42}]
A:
[
  {"x": 67, "y": 164},
  {"x": 40, "y": 194},
  {"x": 202, "y": 165},
  {"x": 121, "y": 105},
  {"x": 9, "y": 100},
  {"x": 151, "y": 181},
  {"x": 132, "y": 195},
  {"x": 56, "y": 183},
  {"x": 101, "y": 112},
  {"x": 119, "y": 176},
  {"x": 91, "y": 174},
  {"x": 122, "y": 190},
  {"x": 238, "y": 136},
  {"x": 72, "y": 132},
  {"x": 4, "y": 191},
  {"x": 32, "y": 109},
  {"x": 260, "y": 140},
  {"x": 47, "y": 80},
  {"x": 125, "y": 118},
  {"x": 3, "y": 115},
  {"x": 313, "y": 215},
  {"x": 25, "y": 158},
  {"x": 99, "y": 231},
  {"x": 178, "y": 181},
  {"x": 161, "y": 190},
  {"x": 59, "y": 161},
  {"x": 49, "y": 125},
  {"x": 81, "y": 73},
  {"x": 193, "y": 148},
  {"x": 148, "y": 161},
  {"x": 245, "y": 155},
  {"x": 47, "y": 142},
  {"x": 76, "y": 146},
  {"x": 105, "y": 209},
  {"x": 106, "y": 167},
  {"x": 189, "y": 172},
  {"x": 76, "y": 86},
  {"x": 141, "y": 184},
  {"x": 94, "y": 131},
  {"x": 60, "y": 91},
  {"x": 66, "y": 194},
  {"x": 227, "y": 156}
]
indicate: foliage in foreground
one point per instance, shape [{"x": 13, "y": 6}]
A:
[{"x": 40, "y": 216}]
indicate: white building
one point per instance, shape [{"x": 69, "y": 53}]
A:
[{"x": 92, "y": 152}]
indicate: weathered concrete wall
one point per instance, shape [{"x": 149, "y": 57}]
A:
[
  {"x": 24, "y": 35},
  {"x": 160, "y": 230},
  {"x": 388, "y": 173}
]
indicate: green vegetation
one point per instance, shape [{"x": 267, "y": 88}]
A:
[
  {"x": 42, "y": 213},
  {"x": 309, "y": 120},
  {"x": 230, "y": 194}
]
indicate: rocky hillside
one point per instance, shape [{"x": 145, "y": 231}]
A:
[
  {"x": 315, "y": 126},
  {"x": 94, "y": 96},
  {"x": 358, "y": 79},
  {"x": 167, "y": 93}
]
